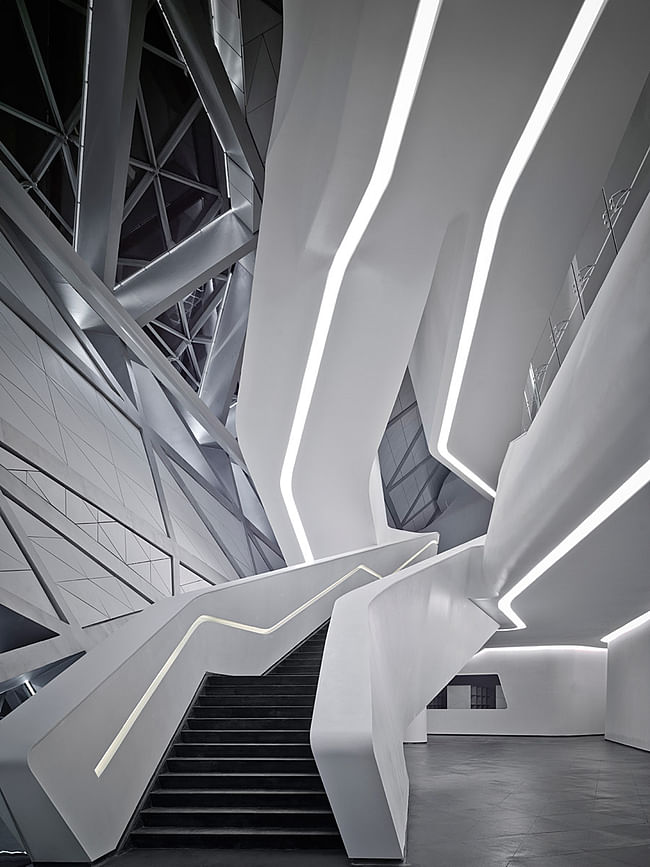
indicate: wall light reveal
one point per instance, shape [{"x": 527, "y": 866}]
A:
[
  {"x": 618, "y": 498},
  {"x": 409, "y": 78},
  {"x": 626, "y": 627},
  {"x": 567, "y": 59}
]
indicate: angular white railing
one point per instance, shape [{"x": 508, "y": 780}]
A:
[
  {"x": 76, "y": 758},
  {"x": 391, "y": 647}
]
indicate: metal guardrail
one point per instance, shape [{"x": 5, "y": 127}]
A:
[{"x": 586, "y": 274}]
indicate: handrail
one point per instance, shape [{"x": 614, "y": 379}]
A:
[
  {"x": 117, "y": 741},
  {"x": 557, "y": 333}
]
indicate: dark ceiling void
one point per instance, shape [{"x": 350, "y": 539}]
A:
[{"x": 16, "y": 630}]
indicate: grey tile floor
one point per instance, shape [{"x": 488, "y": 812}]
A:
[{"x": 497, "y": 802}]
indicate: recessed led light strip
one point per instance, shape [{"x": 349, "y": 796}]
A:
[
  {"x": 627, "y": 627},
  {"x": 567, "y": 59},
  {"x": 409, "y": 77},
  {"x": 619, "y": 497},
  {"x": 233, "y": 624},
  {"x": 541, "y": 647}
]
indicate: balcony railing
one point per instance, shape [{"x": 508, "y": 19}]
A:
[{"x": 611, "y": 219}]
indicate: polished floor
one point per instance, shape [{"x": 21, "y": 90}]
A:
[{"x": 497, "y": 802}]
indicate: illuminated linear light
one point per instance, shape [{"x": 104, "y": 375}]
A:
[
  {"x": 205, "y": 618},
  {"x": 407, "y": 84},
  {"x": 618, "y": 498},
  {"x": 417, "y": 554},
  {"x": 567, "y": 59},
  {"x": 82, "y": 129},
  {"x": 540, "y": 647},
  {"x": 626, "y": 627}
]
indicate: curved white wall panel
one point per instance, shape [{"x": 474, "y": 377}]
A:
[
  {"x": 628, "y": 689},
  {"x": 390, "y": 648},
  {"x": 540, "y": 208},
  {"x": 549, "y": 691},
  {"x": 587, "y": 453},
  {"x": 340, "y": 67},
  {"x": 114, "y": 712},
  {"x": 335, "y": 90}
]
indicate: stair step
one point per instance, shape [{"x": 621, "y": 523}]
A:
[
  {"x": 243, "y": 750},
  {"x": 241, "y": 774},
  {"x": 236, "y": 838},
  {"x": 227, "y": 722},
  {"x": 227, "y": 817},
  {"x": 251, "y": 711},
  {"x": 235, "y": 765},
  {"x": 298, "y": 666},
  {"x": 196, "y": 780},
  {"x": 245, "y": 798},
  {"x": 265, "y": 687},
  {"x": 255, "y": 699},
  {"x": 239, "y": 736},
  {"x": 268, "y": 680}
]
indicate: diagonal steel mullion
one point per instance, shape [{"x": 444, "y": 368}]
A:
[
  {"x": 190, "y": 349},
  {"x": 46, "y": 127},
  {"x": 40, "y": 64},
  {"x": 168, "y": 57},
  {"x": 48, "y": 157},
  {"x": 207, "y": 311},
  {"x": 162, "y": 211},
  {"x": 32, "y": 186},
  {"x": 185, "y": 369},
  {"x": 420, "y": 492},
  {"x": 175, "y": 138},
  {"x": 422, "y": 508},
  {"x": 260, "y": 551},
  {"x": 168, "y": 328},
  {"x": 47, "y": 87},
  {"x": 165, "y": 152},
  {"x": 408, "y": 451},
  {"x": 188, "y": 182},
  {"x": 410, "y": 472},
  {"x": 160, "y": 198},
  {"x": 401, "y": 413}
]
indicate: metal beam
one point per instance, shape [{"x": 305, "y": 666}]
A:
[
  {"x": 114, "y": 50},
  {"x": 193, "y": 37},
  {"x": 29, "y": 218},
  {"x": 222, "y": 366},
  {"x": 168, "y": 279}
]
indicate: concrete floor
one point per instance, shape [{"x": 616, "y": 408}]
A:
[{"x": 496, "y": 802}]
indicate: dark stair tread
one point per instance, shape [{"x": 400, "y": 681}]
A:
[
  {"x": 185, "y": 791},
  {"x": 329, "y": 832},
  {"x": 218, "y": 765},
  {"x": 225, "y": 810}
]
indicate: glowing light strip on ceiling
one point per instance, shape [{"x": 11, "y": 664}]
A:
[
  {"x": 618, "y": 498},
  {"x": 626, "y": 627},
  {"x": 409, "y": 77},
  {"x": 567, "y": 59}
]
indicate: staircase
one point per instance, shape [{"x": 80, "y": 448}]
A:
[{"x": 240, "y": 774}]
